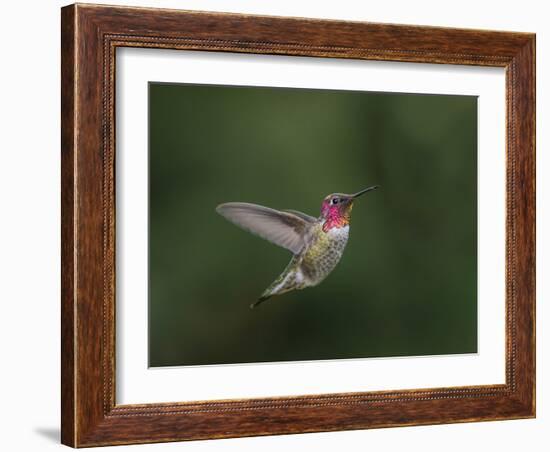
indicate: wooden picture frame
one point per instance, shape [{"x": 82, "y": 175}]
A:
[{"x": 90, "y": 36}]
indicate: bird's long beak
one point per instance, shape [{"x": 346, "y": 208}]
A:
[{"x": 362, "y": 192}]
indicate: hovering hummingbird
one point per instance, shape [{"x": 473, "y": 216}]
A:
[{"x": 317, "y": 244}]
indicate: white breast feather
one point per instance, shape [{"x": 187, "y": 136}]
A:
[{"x": 339, "y": 233}]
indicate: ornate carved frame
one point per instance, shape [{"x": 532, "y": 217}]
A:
[{"x": 90, "y": 36}]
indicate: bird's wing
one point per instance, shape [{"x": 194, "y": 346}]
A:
[
  {"x": 281, "y": 228},
  {"x": 304, "y": 216}
]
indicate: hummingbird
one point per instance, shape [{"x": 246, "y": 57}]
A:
[{"x": 317, "y": 244}]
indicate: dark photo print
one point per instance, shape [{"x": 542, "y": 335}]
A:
[{"x": 299, "y": 224}]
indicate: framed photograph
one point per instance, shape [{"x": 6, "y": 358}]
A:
[{"x": 214, "y": 167}]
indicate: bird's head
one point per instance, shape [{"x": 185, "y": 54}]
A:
[{"x": 336, "y": 208}]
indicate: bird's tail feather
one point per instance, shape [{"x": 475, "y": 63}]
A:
[
  {"x": 259, "y": 301},
  {"x": 284, "y": 283}
]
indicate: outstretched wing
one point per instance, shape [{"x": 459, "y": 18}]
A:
[
  {"x": 281, "y": 228},
  {"x": 302, "y": 215}
]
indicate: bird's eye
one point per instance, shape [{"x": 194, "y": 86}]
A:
[{"x": 334, "y": 200}]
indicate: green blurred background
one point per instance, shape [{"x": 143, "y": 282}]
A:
[{"x": 407, "y": 282}]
